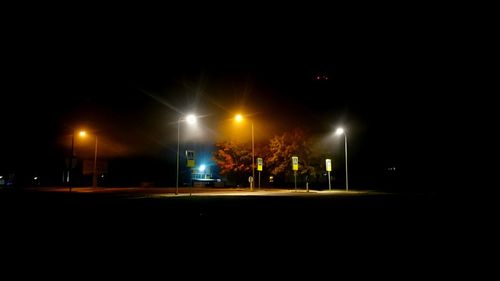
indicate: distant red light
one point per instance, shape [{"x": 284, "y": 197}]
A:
[{"x": 322, "y": 77}]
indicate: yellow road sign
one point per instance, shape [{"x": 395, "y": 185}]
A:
[
  {"x": 295, "y": 163},
  {"x": 190, "y": 158},
  {"x": 259, "y": 164},
  {"x": 328, "y": 165}
]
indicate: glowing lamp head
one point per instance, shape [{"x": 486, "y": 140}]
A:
[
  {"x": 82, "y": 134},
  {"x": 238, "y": 117},
  {"x": 202, "y": 168},
  {"x": 191, "y": 119},
  {"x": 339, "y": 131}
]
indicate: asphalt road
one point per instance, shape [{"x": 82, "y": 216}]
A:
[
  {"x": 156, "y": 209},
  {"x": 273, "y": 225}
]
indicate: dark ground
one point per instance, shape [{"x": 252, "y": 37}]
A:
[{"x": 409, "y": 230}]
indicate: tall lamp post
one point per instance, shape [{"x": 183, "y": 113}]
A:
[
  {"x": 339, "y": 132},
  {"x": 190, "y": 119},
  {"x": 94, "y": 173},
  {"x": 239, "y": 118},
  {"x": 94, "y": 169},
  {"x": 69, "y": 178},
  {"x": 70, "y": 175}
]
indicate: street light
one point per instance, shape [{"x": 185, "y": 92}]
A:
[
  {"x": 71, "y": 175},
  {"x": 239, "y": 118},
  {"x": 94, "y": 170},
  {"x": 70, "y": 168},
  {"x": 339, "y": 132},
  {"x": 190, "y": 119}
]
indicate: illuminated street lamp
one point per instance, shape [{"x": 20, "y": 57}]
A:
[
  {"x": 239, "y": 118},
  {"x": 94, "y": 170},
  {"x": 339, "y": 132},
  {"x": 190, "y": 119},
  {"x": 69, "y": 179}
]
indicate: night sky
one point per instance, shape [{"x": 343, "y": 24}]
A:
[{"x": 130, "y": 79}]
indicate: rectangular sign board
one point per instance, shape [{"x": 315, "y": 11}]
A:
[
  {"x": 295, "y": 163},
  {"x": 328, "y": 165}
]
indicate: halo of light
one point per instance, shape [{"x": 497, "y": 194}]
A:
[
  {"x": 238, "y": 118},
  {"x": 191, "y": 119}
]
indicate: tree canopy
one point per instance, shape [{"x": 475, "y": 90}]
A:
[{"x": 235, "y": 159}]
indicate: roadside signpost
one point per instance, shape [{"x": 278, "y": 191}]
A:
[
  {"x": 329, "y": 169},
  {"x": 259, "y": 167},
  {"x": 295, "y": 166}
]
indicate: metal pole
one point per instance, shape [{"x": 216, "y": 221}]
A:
[
  {"x": 178, "y": 144},
  {"x": 346, "y": 177},
  {"x": 259, "y": 180},
  {"x": 94, "y": 178},
  {"x": 295, "y": 176},
  {"x": 253, "y": 160},
  {"x": 69, "y": 179},
  {"x": 329, "y": 183}
]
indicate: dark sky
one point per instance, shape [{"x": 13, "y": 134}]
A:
[{"x": 130, "y": 76}]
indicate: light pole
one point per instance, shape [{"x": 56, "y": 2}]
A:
[
  {"x": 70, "y": 176},
  {"x": 190, "y": 119},
  {"x": 253, "y": 161},
  {"x": 94, "y": 173},
  {"x": 94, "y": 169},
  {"x": 239, "y": 118},
  {"x": 339, "y": 132},
  {"x": 72, "y": 159}
]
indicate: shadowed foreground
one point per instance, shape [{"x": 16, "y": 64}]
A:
[
  {"x": 273, "y": 225},
  {"x": 152, "y": 211}
]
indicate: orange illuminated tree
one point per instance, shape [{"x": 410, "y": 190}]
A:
[
  {"x": 234, "y": 160},
  {"x": 280, "y": 150}
]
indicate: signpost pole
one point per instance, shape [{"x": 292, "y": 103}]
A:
[
  {"x": 259, "y": 180},
  {"x": 295, "y": 167},
  {"x": 328, "y": 166},
  {"x": 295, "y": 176},
  {"x": 329, "y": 183},
  {"x": 259, "y": 167}
]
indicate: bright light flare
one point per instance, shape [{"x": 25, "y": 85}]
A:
[
  {"x": 82, "y": 134},
  {"x": 238, "y": 118},
  {"x": 339, "y": 131},
  {"x": 191, "y": 119},
  {"x": 202, "y": 168}
]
